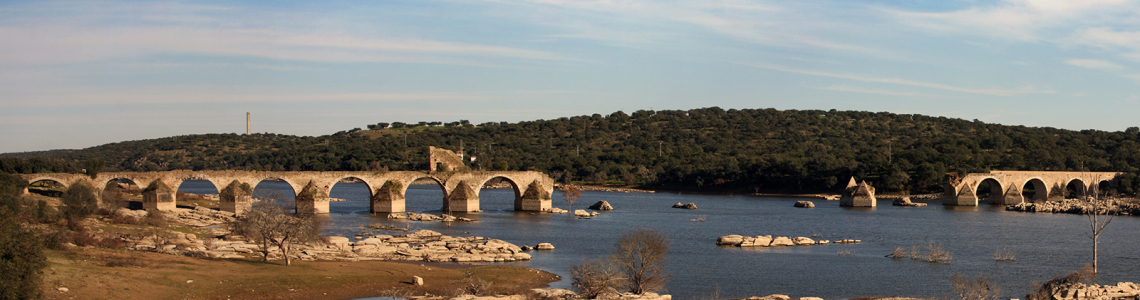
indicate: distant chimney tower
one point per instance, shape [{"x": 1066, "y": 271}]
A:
[{"x": 247, "y": 123}]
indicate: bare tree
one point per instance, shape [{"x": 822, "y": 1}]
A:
[
  {"x": 593, "y": 278},
  {"x": 271, "y": 225},
  {"x": 571, "y": 193},
  {"x": 640, "y": 257},
  {"x": 1100, "y": 215}
]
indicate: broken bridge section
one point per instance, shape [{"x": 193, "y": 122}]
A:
[
  {"x": 461, "y": 188},
  {"x": 1010, "y": 187}
]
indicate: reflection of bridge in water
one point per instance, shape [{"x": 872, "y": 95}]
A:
[
  {"x": 1013, "y": 187},
  {"x": 460, "y": 189}
]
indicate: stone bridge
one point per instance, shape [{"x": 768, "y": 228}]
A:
[
  {"x": 460, "y": 189},
  {"x": 1008, "y": 187}
]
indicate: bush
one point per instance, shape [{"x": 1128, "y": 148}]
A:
[
  {"x": 79, "y": 202},
  {"x": 640, "y": 258},
  {"x": 21, "y": 260},
  {"x": 155, "y": 218},
  {"x": 977, "y": 289},
  {"x": 593, "y": 278}
]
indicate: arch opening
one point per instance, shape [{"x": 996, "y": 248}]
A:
[
  {"x": 425, "y": 194},
  {"x": 990, "y": 191},
  {"x": 1075, "y": 189},
  {"x": 348, "y": 195},
  {"x": 1106, "y": 189},
  {"x": 197, "y": 192},
  {"x": 275, "y": 191},
  {"x": 499, "y": 193},
  {"x": 47, "y": 187},
  {"x": 1034, "y": 190},
  {"x": 122, "y": 192}
]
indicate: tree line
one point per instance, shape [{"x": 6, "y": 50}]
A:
[{"x": 708, "y": 149}]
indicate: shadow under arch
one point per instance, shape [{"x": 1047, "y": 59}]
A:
[
  {"x": 419, "y": 194},
  {"x": 1075, "y": 189},
  {"x": 1035, "y": 190},
  {"x": 354, "y": 191},
  {"x": 121, "y": 192},
  {"x": 990, "y": 191},
  {"x": 497, "y": 197},
  {"x": 47, "y": 187}
]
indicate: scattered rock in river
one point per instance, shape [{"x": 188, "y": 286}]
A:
[
  {"x": 769, "y": 241},
  {"x": 544, "y": 246},
  {"x": 804, "y": 204},
  {"x": 905, "y": 201},
  {"x": 601, "y": 205},
  {"x": 690, "y": 205}
]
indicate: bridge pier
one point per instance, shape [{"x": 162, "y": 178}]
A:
[
  {"x": 236, "y": 198},
  {"x": 159, "y": 196},
  {"x": 312, "y": 199},
  {"x": 535, "y": 198},
  {"x": 462, "y": 198},
  {"x": 389, "y": 198}
]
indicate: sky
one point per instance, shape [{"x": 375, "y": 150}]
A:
[{"x": 77, "y": 74}]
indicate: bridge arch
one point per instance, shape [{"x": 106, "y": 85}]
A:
[
  {"x": 990, "y": 190},
  {"x": 1075, "y": 189},
  {"x": 47, "y": 186},
  {"x": 441, "y": 183},
  {"x": 514, "y": 186},
  {"x": 1035, "y": 190}
]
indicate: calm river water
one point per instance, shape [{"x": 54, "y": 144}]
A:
[{"x": 1046, "y": 245}]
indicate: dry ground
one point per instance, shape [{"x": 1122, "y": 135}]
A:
[{"x": 92, "y": 273}]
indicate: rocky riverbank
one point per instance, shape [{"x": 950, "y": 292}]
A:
[
  {"x": 561, "y": 187},
  {"x": 1072, "y": 206}
]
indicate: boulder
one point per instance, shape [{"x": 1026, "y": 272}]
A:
[
  {"x": 553, "y": 293},
  {"x": 805, "y": 204},
  {"x": 730, "y": 240},
  {"x": 601, "y": 205},
  {"x": 555, "y": 210},
  {"x": 582, "y": 213},
  {"x": 763, "y": 241},
  {"x": 544, "y": 246},
  {"x": 416, "y": 280},
  {"x": 370, "y": 241},
  {"x": 803, "y": 241},
  {"x": 689, "y": 205},
  {"x": 782, "y": 241}
]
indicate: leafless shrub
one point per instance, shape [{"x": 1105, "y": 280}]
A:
[
  {"x": 974, "y": 289},
  {"x": 1004, "y": 254},
  {"x": 934, "y": 253},
  {"x": 844, "y": 252},
  {"x": 473, "y": 285},
  {"x": 701, "y": 218},
  {"x": 640, "y": 258},
  {"x": 155, "y": 218},
  {"x": 816, "y": 235},
  {"x": 270, "y": 225},
  {"x": 593, "y": 278},
  {"x": 898, "y": 253}
]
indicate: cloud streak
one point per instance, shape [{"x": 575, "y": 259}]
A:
[{"x": 899, "y": 81}]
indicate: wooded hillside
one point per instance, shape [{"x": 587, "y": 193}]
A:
[{"x": 701, "y": 149}]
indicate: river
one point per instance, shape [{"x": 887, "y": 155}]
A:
[{"x": 1046, "y": 245}]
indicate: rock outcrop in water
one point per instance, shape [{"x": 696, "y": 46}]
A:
[
  {"x": 804, "y": 204},
  {"x": 1071, "y": 206},
  {"x": 905, "y": 201},
  {"x": 601, "y": 205},
  {"x": 689, "y": 205},
  {"x": 769, "y": 241}
]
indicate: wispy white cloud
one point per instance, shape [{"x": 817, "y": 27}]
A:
[
  {"x": 74, "y": 35},
  {"x": 1094, "y": 64},
  {"x": 991, "y": 91},
  {"x": 158, "y": 96},
  {"x": 844, "y": 88}
]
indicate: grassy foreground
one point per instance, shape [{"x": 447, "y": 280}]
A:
[{"x": 93, "y": 273}]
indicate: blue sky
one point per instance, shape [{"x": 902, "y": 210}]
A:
[{"x": 79, "y": 74}]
